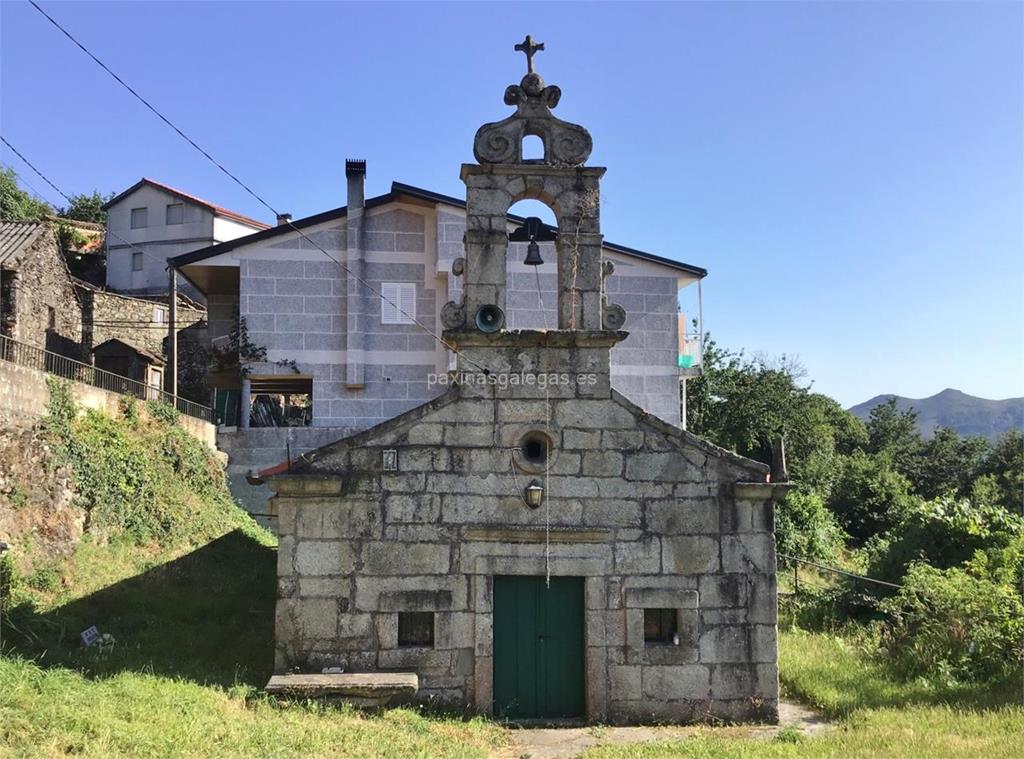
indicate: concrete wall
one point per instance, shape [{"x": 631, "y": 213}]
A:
[
  {"x": 650, "y": 517},
  {"x": 158, "y": 240},
  {"x": 24, "y": 394},
  {"x": 294, "y": 302}
]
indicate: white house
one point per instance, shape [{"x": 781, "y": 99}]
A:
[
  {"x": 315, "y": 321},
  {"x": 161, "y": 222}
]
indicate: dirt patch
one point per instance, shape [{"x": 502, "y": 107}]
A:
[{"x": 567, "y": 742}]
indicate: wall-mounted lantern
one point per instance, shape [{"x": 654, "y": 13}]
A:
[{"x": 534, "y": 494}]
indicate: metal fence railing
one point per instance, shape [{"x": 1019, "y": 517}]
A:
[{"x": 42, "y": 360}]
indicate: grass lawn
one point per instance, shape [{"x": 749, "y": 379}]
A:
[
  {"x": 876, "y": 716},
  {"x": 193, "y": 643}
]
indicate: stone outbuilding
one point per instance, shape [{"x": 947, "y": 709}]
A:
[
  {"x": 38, "y": 305},
  {"x": 531, "y": 544}
]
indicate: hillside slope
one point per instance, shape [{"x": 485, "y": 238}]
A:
[{"x": 967, "y": 414}]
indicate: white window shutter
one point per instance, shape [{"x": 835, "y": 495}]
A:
[
  {"x": 389, "y": 298},
  {"x": 407, "y": 302}
]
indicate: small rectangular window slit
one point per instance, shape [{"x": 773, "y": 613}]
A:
[
  {"x": 416, "y": 628},
  {"x": 661, "y": 627}
]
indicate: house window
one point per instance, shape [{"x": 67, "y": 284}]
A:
[
  {"x": 416, "y": 628},
  {"x": 175, "y": 213},
  {"x": 139, "y": 220},
  {"x": 137, "y": 261},
  {"x": 660, "y": 625},
  {"x": 398, "y": 304},
  {"x": 51, "y": 317},
  {"x": 158, "y": 315}
]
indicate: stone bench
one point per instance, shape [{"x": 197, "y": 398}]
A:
[{"x": 368, "y": 689}]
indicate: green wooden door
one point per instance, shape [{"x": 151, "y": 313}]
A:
[{"x": 538, "y": 647}]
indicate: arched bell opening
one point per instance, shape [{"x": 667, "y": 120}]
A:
[{"x": 532, "y": 266}]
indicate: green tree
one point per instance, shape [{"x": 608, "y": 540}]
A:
[
  {"x": 948, "y": 463},
  {"x": 894, "y": 433},
  {"x": 744, "y": 403},
  {"x": 1005, "y": 464},
  {"x": 15, "y": 203},
  {"x": 870, "y": 496},
  {"x": 87, "y": 207},
  {"x": 805, "y": 528}
]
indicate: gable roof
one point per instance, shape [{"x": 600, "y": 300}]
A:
[
  {"x": 398, "y": 190},
  {"x": 227, "y": 213},
  {"x": 16, "y": 237},
  {"x": 116, "y": 341}
]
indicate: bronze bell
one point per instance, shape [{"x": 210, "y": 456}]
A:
[
  {"x": 533, "y": 229},
  {"x": 533, "y": 254}
]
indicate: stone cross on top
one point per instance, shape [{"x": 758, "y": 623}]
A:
[{"x": 529, "y": 47}]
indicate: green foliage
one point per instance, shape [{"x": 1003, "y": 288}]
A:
[
  {"x": 239, "y": 352},
  {"x": 893, "y": 433},
  {"x": 60, "y": 413},
  {"x": 961, "y": 623},
  {"x": 870, "y": 496},
  {"x": 129, "y": 407},
  {"x": 163, "y": 412},
  {"x": 17, "y": 497},
  {"x": 943, "y": 532},
  {"x": 87, "y": 207},
  {"x": 744, "y": 404},
  {"x": 126, "y": 491},
  {"x": 948, "y": 463},
  {"x": 804, "y": 527},
  {"x": 15, "y": 203},
  {"x": 1006, "y": 465},
  {"x": 68, "y": 237}
]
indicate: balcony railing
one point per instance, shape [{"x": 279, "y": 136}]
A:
[{"x": 42, "y": 360}]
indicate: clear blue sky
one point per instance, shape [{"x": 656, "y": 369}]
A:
[{"x": 852, "y": 175}]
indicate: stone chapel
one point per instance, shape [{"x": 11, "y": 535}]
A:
[{"x": 530, "y": 544}]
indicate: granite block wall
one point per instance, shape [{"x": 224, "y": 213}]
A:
[{"x": 650, "y": 516}]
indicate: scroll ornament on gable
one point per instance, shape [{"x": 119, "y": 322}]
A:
[{"x": 565, "y": 144}]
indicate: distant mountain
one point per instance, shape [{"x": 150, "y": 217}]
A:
[{"x": 951, "y": 408}]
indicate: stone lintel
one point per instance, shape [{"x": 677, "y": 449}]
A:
[
  {"x": 536, "y": 535},
  {"x": 529, "y": 169},
  {"x": 305, "y": 484},
  {"x": 761, "y": 491},
  {"x": 660, "y": 598},
  {"x": 534, "y": 338}
]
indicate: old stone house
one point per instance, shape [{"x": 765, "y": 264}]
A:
[
  {"x": 38, "y": 305},
  {"x": 531, "y": 543},
  {"x": 140, "y": 320}
]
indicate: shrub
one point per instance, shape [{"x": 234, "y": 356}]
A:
[
  {"x": 129, "y": 409},
  {"x": 870, "y": 496},
  {"x": 960, "y": 624},
  {"x": 162, "y": 412},
  {"x": 805, "y": 528},
  {"x": 943, "y": 532}
]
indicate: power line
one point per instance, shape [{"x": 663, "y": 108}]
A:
[
  {"x": 60, "y": 192},
  {"x": 245, "y": 187},
  {"x": 31, "y": 188}
]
